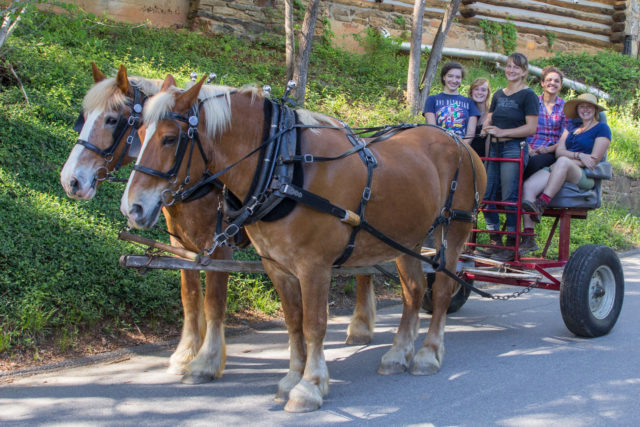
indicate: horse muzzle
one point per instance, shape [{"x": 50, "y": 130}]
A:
[{"x": 141, "y": 218}]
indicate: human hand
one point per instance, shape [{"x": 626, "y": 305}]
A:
[
  {"x": 494, "y": 131},
  {"x": 587, "y": 160}
]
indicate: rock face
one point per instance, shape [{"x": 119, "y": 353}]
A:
[
  {"x": 623, "y": 191},
  {"x": 161, "y": 13}
]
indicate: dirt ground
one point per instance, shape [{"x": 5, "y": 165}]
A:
[{"x": 96, "y": 341}]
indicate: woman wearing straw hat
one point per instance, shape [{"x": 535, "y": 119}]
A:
[{"x": 583, "y": 147}]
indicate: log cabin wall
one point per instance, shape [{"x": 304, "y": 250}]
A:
[{"x": 571, "y": 25}]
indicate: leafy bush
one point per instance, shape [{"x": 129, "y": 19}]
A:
[
  {"x": 616, "y": 74},
  {"x": 59, "y": 256}
]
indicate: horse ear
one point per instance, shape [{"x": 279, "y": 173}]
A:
[
  {"x": 97, "y": 74},
  {"x": 121, "y": 79},
  {"x": 168, "y": 82},
  {"x": 185, "y": 100}
]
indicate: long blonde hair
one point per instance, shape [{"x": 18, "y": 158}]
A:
[{"x": 477, "y": 83}]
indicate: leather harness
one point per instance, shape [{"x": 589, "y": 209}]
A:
[{"x": 273, "y": 181}]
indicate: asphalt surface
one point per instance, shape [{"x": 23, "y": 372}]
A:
[{"x": 507, "y": 363}]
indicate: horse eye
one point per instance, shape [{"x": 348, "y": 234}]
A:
[
  {"x": 111, "y": 121},
  {"x": 169, "y": 140}
]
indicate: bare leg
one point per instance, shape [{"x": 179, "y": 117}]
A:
[
  {"x": 428, "y": 359},
  {"x": 194, "y": 323},
  {"x": 308, "y": 394},
  {"x": 210, "y": 360},
  {"x": 288, "y": 288},
  {"x": 397, "y": 359},
  {"x": 360, "y": 329}
]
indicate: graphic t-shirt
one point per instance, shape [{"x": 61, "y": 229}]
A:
[
  {"x": 583, "y": 142},
  {"x": 452, "y": 111},
  {"x": 509, "y": 112}
]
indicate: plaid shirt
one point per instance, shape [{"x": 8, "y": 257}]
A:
[{"x": 550, "y": 126}]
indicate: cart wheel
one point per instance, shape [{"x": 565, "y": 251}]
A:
[
  {"x": 592, "y": 291},
  {"x": 458, "y": 299}
]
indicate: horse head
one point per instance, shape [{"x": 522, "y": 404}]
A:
[
  {"x": 168, "y": 133},
  {"x": 107, "y": 127}
]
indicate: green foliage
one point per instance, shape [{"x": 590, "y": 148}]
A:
[
  {"x": 551, "y": 38},
  {"x": 499, "y": 35},
  {"x": 59, "y": 256},
  {"x": 616, "y": 74}
]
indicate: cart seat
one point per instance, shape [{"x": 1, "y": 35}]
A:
[{"x": 570, "y": 196}]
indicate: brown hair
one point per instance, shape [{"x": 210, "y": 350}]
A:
[
  {"x": 551, "y": 69},
  {"x": 451, "y": 65},
  {"x": 479, "y": 82},
  {"x": 519, "y": 60}
]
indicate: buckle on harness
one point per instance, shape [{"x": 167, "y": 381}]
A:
[
  {"x": 366, "y": 194},
  {"x": 370, "y": 157},
  {"x": 308, "y": 158}
]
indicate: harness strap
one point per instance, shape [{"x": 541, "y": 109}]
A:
[{"x": 323, "y": 205}]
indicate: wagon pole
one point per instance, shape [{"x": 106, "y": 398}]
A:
[{"x": 181, "y": 252}]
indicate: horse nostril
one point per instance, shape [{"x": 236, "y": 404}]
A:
[
  {"x": 74, "y": 185},
  {"x": 135, "y": 211}
]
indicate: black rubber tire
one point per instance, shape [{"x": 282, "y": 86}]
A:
[
  {"x": 458, "y": 299},
  {"x": 592, "y": 291}
]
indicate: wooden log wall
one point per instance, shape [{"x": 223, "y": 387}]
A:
[{"x": 590, "y": 22}]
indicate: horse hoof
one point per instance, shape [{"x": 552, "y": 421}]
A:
[
  {"x": 304, "y": 397},
  {"x": 425, "y": 363},
  {"x": 430, "y": 369},
  {"x": 392, "y": 368},
  {"x": 358, "y": 340},
  {"x": 197, "y": 378},
  {"x": 281, "y": 397},
  {"x": 176, "y": 370}
]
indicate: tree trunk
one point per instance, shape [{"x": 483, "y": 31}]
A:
[
  {"x": 306, "y": 40},
  {"x": 436, "y": 49},
  {"x": 413, "y": 76},
  {"x": 8, "y": 24},
  {"x": 290, "y": 45}
]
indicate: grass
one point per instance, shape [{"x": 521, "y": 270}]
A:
[{"x": 59, "y": 257}]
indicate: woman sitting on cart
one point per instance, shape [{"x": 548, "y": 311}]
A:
[{"x": 583, "y": 147}]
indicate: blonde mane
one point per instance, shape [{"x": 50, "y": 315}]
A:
[
  {"x": 217, "y": 108},
  {"x": 107, "y": 96}
]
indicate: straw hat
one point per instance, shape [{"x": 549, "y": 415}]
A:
[{"x": 570, "y": 107}]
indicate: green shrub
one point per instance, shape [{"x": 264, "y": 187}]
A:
[{"x": 59, "y": 257}]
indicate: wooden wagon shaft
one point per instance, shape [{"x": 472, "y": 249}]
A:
[
  {"x": 181, "y": 252},
  {"x": 231, "y": 266}
]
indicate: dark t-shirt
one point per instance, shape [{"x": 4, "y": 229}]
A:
[
  {"x": 509, "y": 112},
  {"x": 584, "y": 142}
]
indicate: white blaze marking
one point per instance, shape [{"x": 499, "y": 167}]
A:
[
  {"x": 71, "y": 165},
  {"x": 124, "y": 203}
]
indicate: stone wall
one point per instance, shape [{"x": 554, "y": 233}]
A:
[
  {"x": 161, "y": 13},
  {"x": 624, "y": 192}
]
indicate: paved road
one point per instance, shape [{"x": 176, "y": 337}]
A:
[{"x": 507, "y": 363}]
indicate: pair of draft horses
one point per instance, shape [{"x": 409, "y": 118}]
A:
[{"x": 408, "y": 188}]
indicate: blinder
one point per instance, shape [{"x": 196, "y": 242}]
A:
[
  {"x": 131, "y": 123},
  {"x": 79, "y": 123}
]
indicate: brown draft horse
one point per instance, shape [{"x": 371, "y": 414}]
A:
[
  {"x": 200, "y": 354},
  {"x": 410, "y": 184}
]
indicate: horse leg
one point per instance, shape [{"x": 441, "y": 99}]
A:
[
  {"x": 428, "y": 359},
  {"x": 396, "y": 360},
  {"x": 360, "y": 329},
  {"x": 288, "y": 288},
  {"x": 210, "y": 360},
  {"x": 194, "y": 323},
  {"x": 307, "y": 395}
]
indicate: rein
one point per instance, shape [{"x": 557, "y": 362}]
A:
[
  {"x": 271, "y": 189},
  {"x": 131, "y": 123}
]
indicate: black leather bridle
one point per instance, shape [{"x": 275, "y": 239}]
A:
[{"x": 131, "y": 123}]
